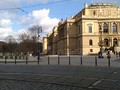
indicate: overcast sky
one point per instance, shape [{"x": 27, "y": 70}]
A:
[{"x": 46, "y": 13}]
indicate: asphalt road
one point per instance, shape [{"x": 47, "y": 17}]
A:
[{"x": 58, "y": 77}]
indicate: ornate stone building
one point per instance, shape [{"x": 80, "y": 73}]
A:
[{"x": 85, "y": 32}]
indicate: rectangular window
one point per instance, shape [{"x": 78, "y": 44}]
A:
[{"x": 90, "y": 29}]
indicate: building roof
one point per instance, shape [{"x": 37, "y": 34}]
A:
[{"x": 102, "y": 5}]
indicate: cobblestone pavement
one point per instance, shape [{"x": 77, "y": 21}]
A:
[
  {"x": 47, "y": 82},
  {"x": 24, "y": 85},
  {"x": 48, "y": 77}
]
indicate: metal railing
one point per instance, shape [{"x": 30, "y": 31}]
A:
[{"x": 60, "y": 60}]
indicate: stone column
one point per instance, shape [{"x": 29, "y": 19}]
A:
[
  {"x": 110, "y": 29},
  {"x": 110, "y": 42},
  {"x": 102, "y": 31}
]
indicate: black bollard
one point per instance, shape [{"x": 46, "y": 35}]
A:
[
  {"x": 48, "y": 60},
  {"x": 26, "y": 59},
  {"x": 95, "y": 61},
  {"x": 15, "y": 59},
  {"x": 69, "y": 60},
  {"x": 81, "y": 60},
  {"x": 109, "y": 62},
  {"x": 38, "y": 59},
  {"x": 5, "y": 59},
  {"x": 58, "y": 60},
  {"x": 108, "y": 57}
]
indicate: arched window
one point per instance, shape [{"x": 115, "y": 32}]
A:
[
  {"x": 100, "y": 28},
  {"x": 90, "y": 42},
  {"x": 105, "y": 28},
  {"x": 115, "y": 42},
  {"x": 94, "y": 12},
  {"x": 114, "y": 28},
  {"x": 106, "y": 42}
]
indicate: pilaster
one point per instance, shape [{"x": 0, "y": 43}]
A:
[
  {"x": 118, "y": 27},
  {"x": 110, "y": 27},
  {"x": 111, "y": 42}
]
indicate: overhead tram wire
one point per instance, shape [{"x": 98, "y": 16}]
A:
[
  {"x": 18, "y": 8},
  {"x": 21, "y": 8},
  {"x": 46, "y": 3}
]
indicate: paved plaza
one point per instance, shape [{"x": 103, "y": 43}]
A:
[
  {"x": 60, "y": 73},
  {"x": 55, "y": 77}
]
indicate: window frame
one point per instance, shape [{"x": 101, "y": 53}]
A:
[
  {"x": 91, "y": 50},
  {"x": 90, "y": 42},
  {"x": 105, "y": 28},
  {"x": 114, "y": 28},
  {"x": 90, "y": 28}
]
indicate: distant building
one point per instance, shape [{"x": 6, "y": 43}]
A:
[
  {"x": 82, "y": 33},
  {"x": 45, "y": 45}
]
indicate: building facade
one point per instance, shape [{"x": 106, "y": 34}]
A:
[
  {"x": 83, "y": 33},
  {"x": 45, "y": 48}
]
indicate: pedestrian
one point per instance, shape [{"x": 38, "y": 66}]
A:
[
  {"x": 119, "y": 54},
  {"x": 116, "y": 54},
  {"x": 108, "y": 54}
]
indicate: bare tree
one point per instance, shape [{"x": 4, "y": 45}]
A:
[
  {"x": 3, "y": 48},
  {"x": 24, "y": 37},
  {"x": 10, "y": 39},
  {"x": 11, "y": 45},
  {"x": 28, "y": 42},
  {"x": 35, "y": 29}
]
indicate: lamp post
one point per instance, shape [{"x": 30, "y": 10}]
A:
[
  {"x": 101, "y": 41},
  {"x": 39, "y": 30},
  {"x": 101, "y": 44}
]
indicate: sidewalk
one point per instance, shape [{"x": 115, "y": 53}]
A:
[{"x": 43, "y": 77}]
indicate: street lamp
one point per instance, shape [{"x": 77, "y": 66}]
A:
[
  {"x": 39, "y": 30},
  {"x": 101, "y": 44}
]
